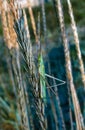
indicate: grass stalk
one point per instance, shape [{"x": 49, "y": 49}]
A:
[
  {"x": 77, "y": 42},
  {"x": 20, "y": 91},
  {"x": 26, "y": 49},
  {"x": 32, "y": 20},
  {"x": 68, "y": 68},
  {"x": 5, "y": 26},
  {"x": 76, "y": 38}
]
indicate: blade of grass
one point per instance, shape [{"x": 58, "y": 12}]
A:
[{"x": 68, "y": 67}]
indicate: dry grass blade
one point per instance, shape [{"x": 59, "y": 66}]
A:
[
  {"x": 5, "y": 26},
  {"x": 76, "y": 38},
  {"x": 8, "y": 31},
  {"x": 68, "y": 68},
  {"x": 12, "y": 33},
  {"x": 32, "y": 20}
]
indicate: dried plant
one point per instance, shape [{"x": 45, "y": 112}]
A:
[
  {"x": 12, "y": 33},
  {"x": 26, "y": 48},
  {"x": 8, "y": 31},
  {"x": 77, "y": 110},
  {"x": 76, "y": 38},
  {"x": 32, "y": 20},
  {"x": 5, "y": 27},
  {"x": 20, "y": 91}
]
